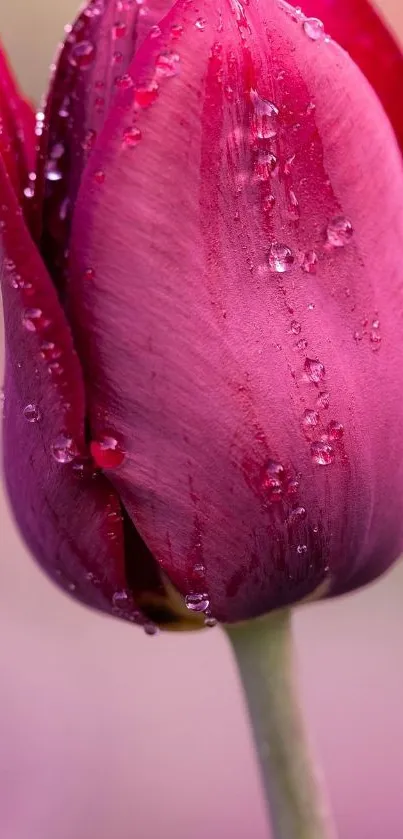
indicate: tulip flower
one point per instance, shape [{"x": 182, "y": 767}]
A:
[{"x": 203, "y": 290}]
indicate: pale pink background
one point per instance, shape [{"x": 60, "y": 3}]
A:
[{"x": 107, "y": 734}]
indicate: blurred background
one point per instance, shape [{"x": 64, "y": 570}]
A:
[{"x": 108, "y": 734}]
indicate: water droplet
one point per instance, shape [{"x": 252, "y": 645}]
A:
[
  {"x": 309, "y": 262},
  {"x": 297, "y": 514},
  {"x": 268, "y": 203},
  {"x": 323, "y": 400},
  {"x": 150, "y": 629},
  {"x": 339, "y": 232},
  {"x": 107, "y": 453},
  {"x": 52, "y": 171},
  {"x": 89, "y": 140},
  {"x": 176, "y": 30},
  {"x": 99, "y": 176},
  {"x": 34, "y": 320},
  {"x": 302, "y": 344},
  {"x": 146, "y": 96},
  {"x": 310, "y": 418},
  {"x": 293, "y": 206},
  {"x": 82, "y": 55},
  {"x": 375, "y": 339},
  {"x": 265, "y": 164},
  {"x": 167, "y": 64},
  {"x": 117, "y": 57},
  {"x": 124, "y": 82},
  {"x": 64, "y": 449},
  {"x": 131, "y": 137},
  {"x": 302, "y": 549},
  {"x": 197, "y": 602},
  {"x": 120, "y": 598},
  {"x": 49, "y": 351},
  {"x": 295, "y": 327},
  {"x": 313, "y": 28},
  {"x": 32, "y": 413},
  {"x": 201, "y": 24},
  {"x": 314, "y": 369},
  {"x": 322, "y": 453},
  {"x": 71, "y": 586},
  {"x": 335, "y": 430},
  {"x": 199, "y": 568},
  {"x": 210, "y": 621},
  {"x": 119, "y": 30},
  {"x": 89, "y": 275},
  {"x": 273, "y": 478},
  {"x": 280, "y": 258},
  {"x": 264, "y": 119}
]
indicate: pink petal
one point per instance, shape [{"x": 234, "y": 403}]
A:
[
  {"x": 69, "y": 515},
  {"x": 17, "y": 138},
  {"x": 356, "y": 25},
  {"x": 90, "y": 68},
  {"x": 201, "y": 359}
]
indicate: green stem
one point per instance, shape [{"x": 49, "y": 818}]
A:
[{"x": 264, "y": 653}]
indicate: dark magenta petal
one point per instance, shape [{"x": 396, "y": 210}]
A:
[
  {"x": 240, "y": 325},
  {"x": 91, "y": 66},
  {"x": 17, "y": 137},
  {"x": 363, "y": 33},
  {"x": 69, "y": 515}
]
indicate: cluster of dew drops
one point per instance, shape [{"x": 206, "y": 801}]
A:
[{"x": 106, "y": 451}]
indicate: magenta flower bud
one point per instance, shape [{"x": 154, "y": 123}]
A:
[{"x": 203, "y": 297}]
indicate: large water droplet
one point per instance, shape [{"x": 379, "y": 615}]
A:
[
  {"x": 52, "y": 171},
  {"x": 64, "y": 449},
  {"x": 313, "y": 28},
  {"x": 280, "y": 258},
  {"x": 197, "y": 602},
  {"x": 322, "y": 453},
  {"x": 314, "y": 369},
  {"x": 82, "y": 55},
  {"x": 264, "y": 119},
  {"x": 32, "y": 413},
  {"x": 107, "y": 453},
  {"x": 201, "y": 24},
  {"x": 339, "y": 232}
]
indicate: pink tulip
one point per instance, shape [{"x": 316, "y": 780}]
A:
[{"x": 203, "y": 302}]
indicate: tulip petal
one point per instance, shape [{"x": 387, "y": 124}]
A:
[
  {"x": 91, "y": 66},
  {"x": 17, "y": 138},
  {"x": 70, "y": 516},
  {"x": 241, "y": 332},
  {"x": 359, "y": 29}
]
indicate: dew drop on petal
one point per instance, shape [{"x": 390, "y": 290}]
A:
[
  {"x": 99, "y": 176},
  {"x": 323, "y": 400},
  {"x": 309, "y": 262},
  {"x": 124, "y": 82},
  {"x": 131, "y": 137},
  {"x": 272, "y": 480},
  {"x": 201, "y": 24},
  {"x": 197, "y": 602},
  {"x": 264, "y": 119},
  {"x": 295, "y": 327},
  {"x": 150, "y": 629},
  {"x": 335, "y": 430},
  {"x": 339, "y": 232},
  {"x": 322, "y": 453},
  {"x": 34, "y": 320},
  {"x": 32, "y": 413},
  {"x": 314, "y": 369},
  {"x": 313, "y": 28},
  {"x": 297, "y": 514},
  {"x": 82, "y": 55},
  {"x": 89, "y": 275},
  {"x": 120, "y": 598},
  {"x": 302, "y": 549},
  {"x": 52, "y": 171},
  {"x": 210, "y": 621},
  {"x": 119, "y": 30},
  {"x": 310, "y": 418},
  {"x": 107, "y": 453},
  {"x": 268, "y": 203},
  {"x": 280, "y": 258},
  {"x": 265, "y": 164},
  {"x": 64, "y": 449}
]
